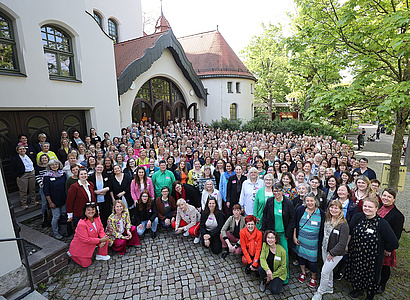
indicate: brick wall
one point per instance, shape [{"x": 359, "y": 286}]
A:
[{"x": 49, "y": 266}]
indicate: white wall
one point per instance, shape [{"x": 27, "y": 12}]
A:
[
  {"x": 219, "y": 100},
  {"x": 165, "y": 66},
  {"x": 94, "y": 64},
  {"x": 9, "y": 253},
  {"x": 127, "y": 13}
]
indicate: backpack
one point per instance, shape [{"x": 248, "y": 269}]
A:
[{"x": 64, "y": 228}]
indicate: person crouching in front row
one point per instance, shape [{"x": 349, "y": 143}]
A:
[
  {"x": 89, "y": 234},
  {"x": 251, "y": 244}
]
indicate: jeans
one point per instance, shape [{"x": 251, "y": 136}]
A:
[
  {"x": 168, "y": 216},
  {"x": 56, "y": 216},
  {"x": 326, "y": 279},
  {"x": 275, "y": 285},
  {"x": 144, "y": 223},
  {"x": 44, "y": 203}
]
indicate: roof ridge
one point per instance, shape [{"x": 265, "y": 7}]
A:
[
  {"x": 141, "y": 37},
  {"x": 197, "y": 34}
]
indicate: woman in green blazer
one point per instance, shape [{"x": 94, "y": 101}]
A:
[
  {"x": 273, "y": 268},
  {"x": 262, "y": 195}
]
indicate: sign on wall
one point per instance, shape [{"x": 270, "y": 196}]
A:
[{"x": 386, "y": 176}]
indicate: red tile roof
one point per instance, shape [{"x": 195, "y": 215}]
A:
[
  {"x": 162, "y": 24},
  {"x": 211, "y": 56},
  {"x": 128, "y": 51}
]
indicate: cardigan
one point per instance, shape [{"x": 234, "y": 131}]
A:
[
  {"x": 234, "y": 188},
  {"x": 18, "y": 167},
  {"x": 338, "y": 240},
  {"x": 55, "y": 188},
  {"x": 136, "y": 192},
  {"x": 192, "y": 195},
  {"x": 288, "y": 214},
  {"x": 113, "y": 226},
  {"x": 160, "y": 206},
  {"x": 230, "y": 226},
  {"x": 77, "y": 197},
  {"x": 219, "y": 219},
  {"x": 279, "y": 263},
  {"x": 387, "y": 240},
  {"x": 145, "y": 214},
  {"x": 251, "y": 244},
  {"x": 396, "y": 220},
  {"x": 191, "y": 217}
]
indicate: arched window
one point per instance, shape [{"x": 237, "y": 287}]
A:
[
  {"x": 113, "y": 30},
  {"x": 8, "y": 54},
  {"x": 59, "y": 51},
  {"x": 233, "y": 111},
  {"x": 98, "y": 19}
]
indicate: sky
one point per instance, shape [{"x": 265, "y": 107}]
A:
[{"x": 237, "y": 20}]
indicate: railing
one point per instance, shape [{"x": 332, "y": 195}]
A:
[{"x": 21, "y": 243}]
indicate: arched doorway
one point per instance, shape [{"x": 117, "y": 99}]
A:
[{"x": 160, "y": 100}]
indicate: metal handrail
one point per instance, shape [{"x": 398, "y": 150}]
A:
[{"x": 21, "y": 242}]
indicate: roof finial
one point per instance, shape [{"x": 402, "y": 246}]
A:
[
  {"x": 217, "y": 29},
  {"x": 161, "y": 8}
]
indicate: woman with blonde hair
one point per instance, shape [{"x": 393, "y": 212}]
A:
[
  {"x": 335, "y": 239},
  {"x": 119, "y": 229},
  {"x": 362, "y": 189}
]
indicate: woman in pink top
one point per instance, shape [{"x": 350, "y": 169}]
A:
[
  {"x": 89, "y": 234},
  {"x": 139, "y": 183}
]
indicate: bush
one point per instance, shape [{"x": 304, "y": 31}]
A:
[
  {"x": 225, "y": 124},
  {"x": 292, "y": 125}
]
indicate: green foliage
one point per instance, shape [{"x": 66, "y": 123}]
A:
[
  {"x": 225, "y": 124},
  {"x": 260, "y": 123}
]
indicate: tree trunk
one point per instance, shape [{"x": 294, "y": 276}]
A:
[
  {"x": 407, "y": 158},
  {"x": 396, "y": 149}
]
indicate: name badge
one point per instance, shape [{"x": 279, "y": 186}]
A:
[
  {"x": 91, "y": 229},
  {"x": 166, "y": 205},
  {"x": 106, "y": 178},
  {"x": 167, "y": 177},
  {"x": 369, "y": 230},
  {"x": 336, "y": 231},
  {"x": 233, "y": 181},
  {"x": 314, "y": 223},
  {"x": 278, "y": 258},
  {"x": 52, "y": 179},
  {"x": 187, "y": 215},
  {"x": 150, "y": 210},
  {"x": 210, "y": 219},
  {"x": 280, "y": 211},
  {"x": 187, "y": 200}
]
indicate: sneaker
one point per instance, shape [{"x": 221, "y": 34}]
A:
[
  {"x": 329, "y": 290},
  {"x": 186, "y": 233},
  {"x": 58, "y": 236},
  {"x": 295, "y": 263},
  {"x": 196, "y": 240},
  {"x": 317, "y": 296},
  {"x": 262, "y": 286},
  {"x": 312, "y": 282},
  {"x": 68, "y": 254},
  {"x": 302, "y": 278},
  {"x": 102, "y": 257},
  {"x": 338, "y": 276}
]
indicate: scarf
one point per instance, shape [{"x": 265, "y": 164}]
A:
[{"x": 51, "y": 173}]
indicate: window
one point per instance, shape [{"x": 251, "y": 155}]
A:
[
  {"x": 98, "y": 19},
  {"x": 238, "y": 87},
  {"x": 229, "y": 86},
  {"x": 233, "y": 111},
  {"x": 113, "y": 30},
  {"x": 59, "y": 52},
  {"x": 252, "y": 89},
  {"x": 8, "y": 54}
]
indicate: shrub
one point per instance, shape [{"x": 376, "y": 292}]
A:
[{"x": 225, "y": 124}]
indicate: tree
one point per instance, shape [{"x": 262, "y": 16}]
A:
[
  {"x": 266, "y": 58},
  {"x": 374, "y": 38}
]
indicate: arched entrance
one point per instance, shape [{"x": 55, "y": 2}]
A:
[{"x": 161, "y": 100}]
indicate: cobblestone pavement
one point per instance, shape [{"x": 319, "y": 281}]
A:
[{"x": 173, "y": 267}]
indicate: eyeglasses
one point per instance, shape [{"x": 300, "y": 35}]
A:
[{"x": 276, "y": 191}]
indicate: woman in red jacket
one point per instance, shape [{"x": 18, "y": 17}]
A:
[
  {"x": 89, "y": 234},
  {"x": 79, "y": 194},
  {"x": 251, "y": 244}
]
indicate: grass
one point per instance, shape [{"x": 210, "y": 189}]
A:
[{"x": 399, "y": 283}]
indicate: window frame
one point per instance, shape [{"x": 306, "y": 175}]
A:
[
  {"x": 12, "y": 42},
  {"x": 114, "y": 38},
  {"x": 229, "y": 87},
  {"x": 238, "y": 87},
  {"x": 234, "y": 107},
  {"x": 98, "y": 18},
  {"x": 58, "y": 53}
]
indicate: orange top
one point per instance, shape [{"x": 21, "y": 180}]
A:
[
  {"x": 251, "y": 244},
  {"x": 184, "y": 177}
]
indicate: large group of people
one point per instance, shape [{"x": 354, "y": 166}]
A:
[{"x": 272, "y": 199}]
